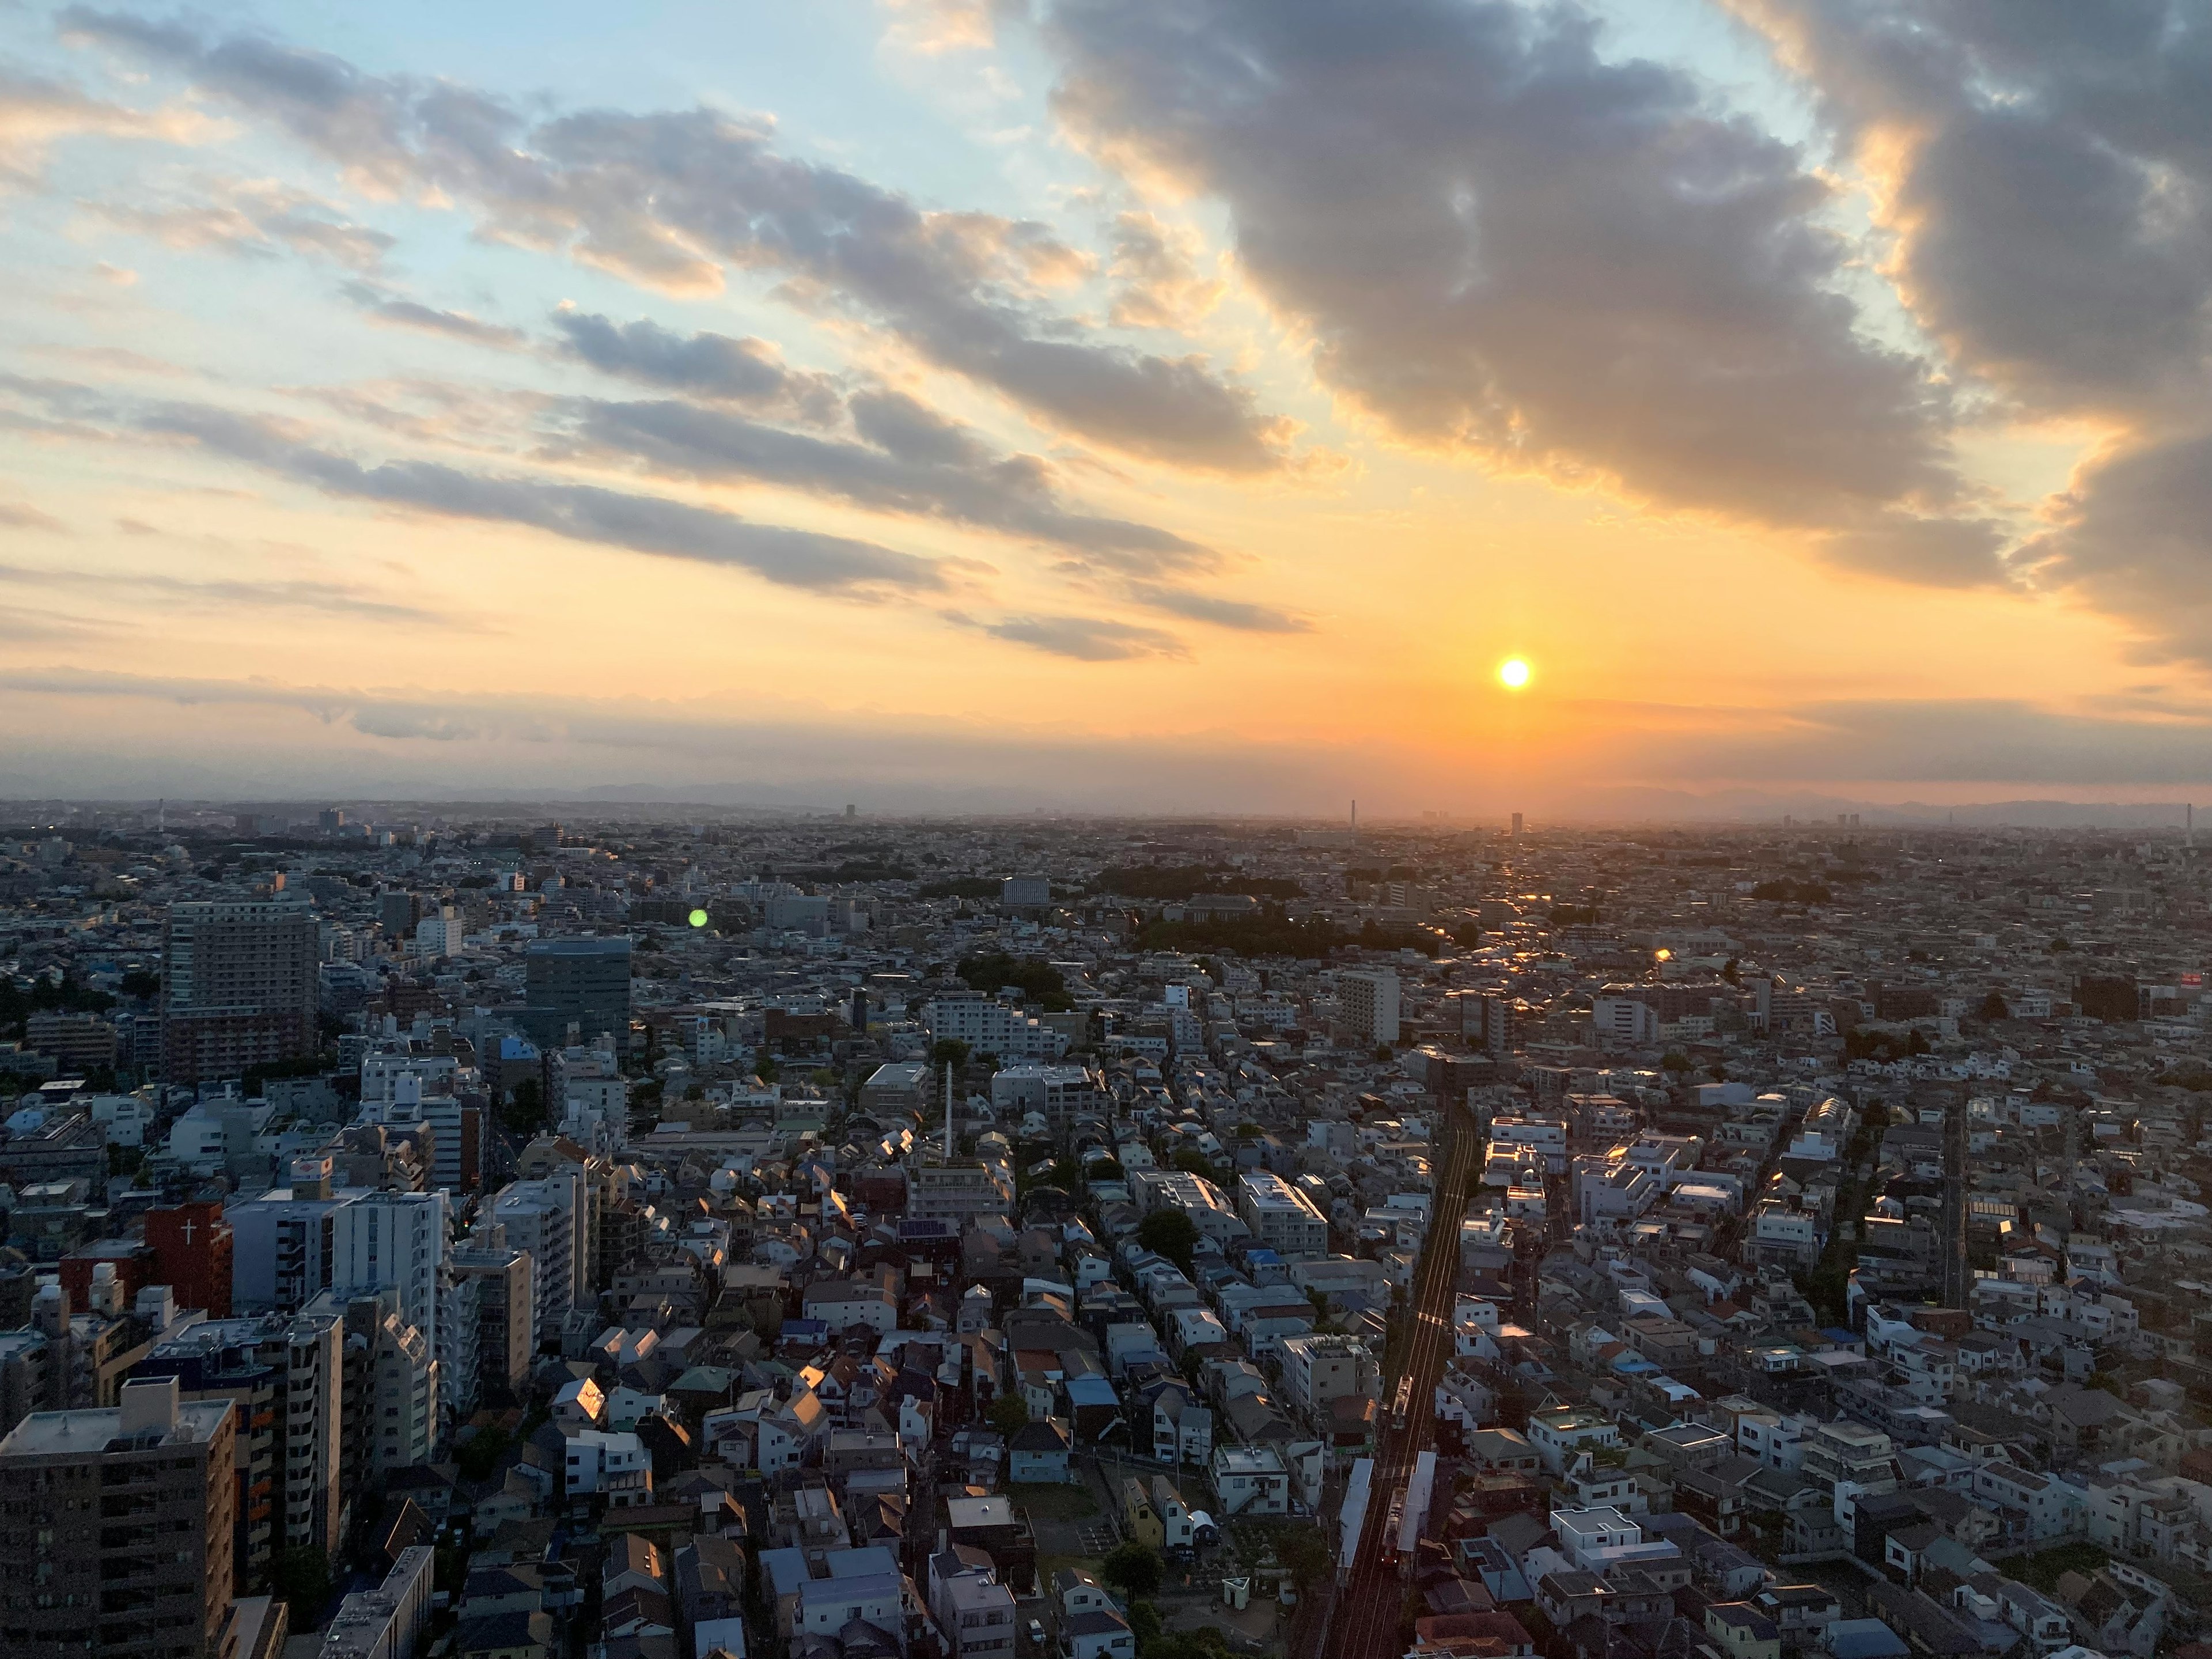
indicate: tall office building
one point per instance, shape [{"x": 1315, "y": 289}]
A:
[
  {"x": 238, "y": 987},
  {"x": 116, "y": 1526},
  {"x": 583, "y": 983}
]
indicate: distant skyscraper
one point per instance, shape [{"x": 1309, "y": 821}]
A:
[
  {"x": 238, "y": 987},
  {"x": 1516, "y": 823},
  {"x": 584, "y": 983}
]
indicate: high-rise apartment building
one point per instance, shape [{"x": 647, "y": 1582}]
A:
[
  {"x": 580, "y": 983},
  {"x": 506, "y": 1311},
  {"x": 284, "y": 1374},
  {"x": 117, "y": 1528},
  {"x": 541, "y": 1217},
  {"x": 238, "y": 987},
  {"x": 1367, "y": 1004}
]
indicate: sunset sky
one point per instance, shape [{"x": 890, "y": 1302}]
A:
[{"x": 1158, "y": 404}]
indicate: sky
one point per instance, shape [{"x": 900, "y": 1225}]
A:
[{"x": 1178, "y": 406}]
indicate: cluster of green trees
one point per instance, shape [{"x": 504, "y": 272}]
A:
[
  {"x": 1038, "y": 980},
  {"x": 1787, "y": 891},
  {"x": 68, "y": 995},
  {"x": 1182, "y": 881},
  {"x": 961, "y": 887}
]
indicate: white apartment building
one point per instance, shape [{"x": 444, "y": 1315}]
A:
[
  {"x": 1280, "y": 1216},
  {"x": 1318, "y": 1370},
  {"x": 539, "y": 1217},
  {"x": 395, "y": 1243},
  {"x": 1367, "y": 1004},
  {"x": 989, "y": 1027}
]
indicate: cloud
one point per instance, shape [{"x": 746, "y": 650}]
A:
[
  {"x": 2133, "y": 535},
  {"x": 1083, "y": 639},
  {"x": 748, "y": 372},
  {"x": 17, "y": 516},
  {"x": 1963, "y": 741},
  {"x": 932, "y": 26},
  {"x": 2047, "y": 170},
  {"x": 1155, "y": 272},
  {"x": 1506, "y": 244},
  {"x": 34, "y": 112},
  {"x": 805, "y": 559},
  {"x": 916, "y": 462},
  {"x": 334, "y": 599},
  {"x": 252, "y": 219},
  {"x": 670, "y": 199},
  {"x": 402, "y": 313},
  {"x": 1237, "y": 614}
]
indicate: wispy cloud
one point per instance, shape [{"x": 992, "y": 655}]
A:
[{"x": 670, "y": 199}]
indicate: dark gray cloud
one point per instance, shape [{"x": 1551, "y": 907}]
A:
[
  {"x": 1239, "y": 615},
  {"x": 748, "y": 372},
  {"x": 2134, "y": 536},
  {"x": 642, "y": 524},
  {"x": 937, "y": 469},
  {"x": 2050, "y": 166},
  {"x": 403, "y": 313},
  {"x": 1505, "y": 242},
  {"x": 668, "y": 199},
  {"x": 1083, "y": 639}
]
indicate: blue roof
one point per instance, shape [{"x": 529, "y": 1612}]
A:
[
  {"x": 1839, "y": 1333},
  {"x": 1091, "y": 1391}
]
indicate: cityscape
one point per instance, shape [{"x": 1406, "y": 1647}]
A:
[
  {"x": 1106, "y": 829},
  {"x": 448, "y": 1231}
]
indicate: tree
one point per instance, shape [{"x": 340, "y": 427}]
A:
[
  {"x": 1191, "y": 1161},
  {"x": 1304, "y": 1555},
  {"x": 1993, "y": 1007},
  {"x": 1135, "y": 1569},
  {"x": 524, "y": 1113},
  {"x": 301, "y": 1577},
  {"x": 1168, "y": 1231},
  {"x": 947, "y": 1051},
  {"x": 1733, "y": 972},
  {"x": 1010, "y": 1414}
]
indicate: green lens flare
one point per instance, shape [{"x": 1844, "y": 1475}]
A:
[{"x": 698, "y": 917}]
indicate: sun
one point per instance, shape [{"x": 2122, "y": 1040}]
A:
[{"x": 1514, "y": 673}]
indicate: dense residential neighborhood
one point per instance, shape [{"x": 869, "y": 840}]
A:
[{"x": 813, "y": 1237}]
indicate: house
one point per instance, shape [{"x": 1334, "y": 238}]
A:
[
  {"x": 1038, "y": 1452},
  {"x": 1176, "y": 1523},
  {"x": 1141, "y": 1522},
  {"x": 506, "y": 1636},
  {"x": 1741, "y": 1630},
  {"x": 1101, "y": 1634},
  {"x": 1250, "y": 1480},
  {"x": 1077, "y": 1591}
]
